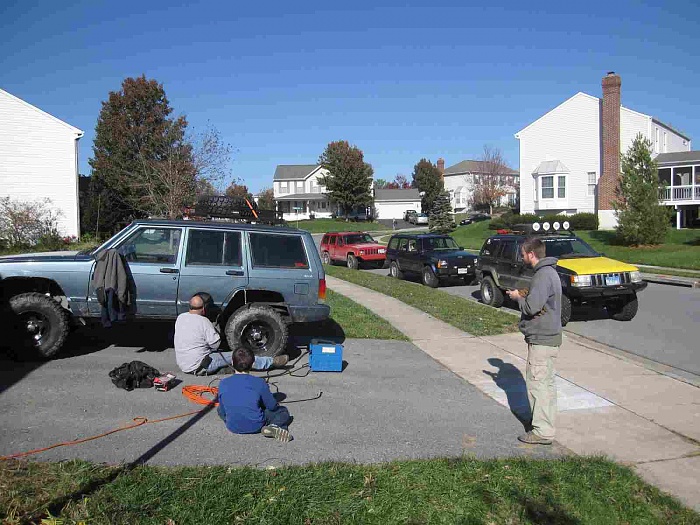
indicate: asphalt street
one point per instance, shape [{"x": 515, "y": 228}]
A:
[
  {"x": 666, "y": 330},
  {"x": 392, "y": 401}
]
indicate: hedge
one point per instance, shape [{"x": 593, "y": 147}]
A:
[{"x": 578, "y": 221}]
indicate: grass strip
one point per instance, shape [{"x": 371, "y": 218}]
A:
[
  {"x": 573, "y": 490},
  {"x": 358, "y": 322},
  {"x": 335, "y": 225},
  {"x": 472, "y": 317}
]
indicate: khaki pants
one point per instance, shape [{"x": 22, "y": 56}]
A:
[{"x": 541, "y": 390}]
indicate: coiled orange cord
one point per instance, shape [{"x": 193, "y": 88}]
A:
[{"x": 195, "y": 393}]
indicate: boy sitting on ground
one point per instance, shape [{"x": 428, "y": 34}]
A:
[{"x": 246, "y": 404}]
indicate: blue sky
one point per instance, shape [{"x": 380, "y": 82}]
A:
[{"x": 281, "y": 80}]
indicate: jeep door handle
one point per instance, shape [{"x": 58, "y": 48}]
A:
[
  {"x": 234, "y": 272},
  {"x": 169, "y": 270}
]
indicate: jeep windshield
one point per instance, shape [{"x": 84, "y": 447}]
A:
[
  {"x": 440, "y": 243},
  {"x": 359, "y": 238},
  {"x": 568, "y": 248}
]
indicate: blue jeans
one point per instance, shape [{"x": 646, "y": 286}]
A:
[
  {"x": 279, "y": 416},
  {"x": 222, "y": 359}
]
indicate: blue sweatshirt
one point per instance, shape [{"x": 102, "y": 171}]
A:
[{"x": 243, "y": 399}]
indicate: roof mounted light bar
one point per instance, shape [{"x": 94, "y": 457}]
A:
[{"x": 542, "y": 228}]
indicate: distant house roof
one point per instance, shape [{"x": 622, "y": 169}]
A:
[
  {"x": 293, "y": 171},
  {"x": 397, "y": 195},
  {"x": 473, "y": 166},
  {"x": 679, "y": 157},
  {"x": 550, "y": 166}
]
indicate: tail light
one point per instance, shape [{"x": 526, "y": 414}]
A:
[{"x": 321, "y": 289}]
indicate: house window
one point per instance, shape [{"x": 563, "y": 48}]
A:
[
  {"x": 548, "y": 187},
  {"x": 561, "y": 186},
  {"x": 591, "y": 183},
  {"x": 284, "y": 187},
  {"x": 300, "y": 186}
]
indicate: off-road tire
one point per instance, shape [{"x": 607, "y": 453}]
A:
[
  {"x": 326, "y": 258},
  {"x": 352, "y": 262},
  {"x": 53, "y": 317},
  {"x": 565, "y": 310},
  {"x": 429, "y": 278},
  {"x": 245, "y": 322},
  {"x": 395, "y": 271},
  {"x": 490, "y": 293},
  {"x": 624, "y": 312}
]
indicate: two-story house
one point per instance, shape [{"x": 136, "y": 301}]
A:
[
  {"x": 461, "y": 179},
  {"x": 298, "y": 192},
  {"x": 570, "y": 157}
]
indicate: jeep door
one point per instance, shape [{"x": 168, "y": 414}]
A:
[
  {"x": 153, "y": 254},
  {"x": 524, "y": 273},
  {"x": 339, "y": 248},
  {"x": 507, "y": 264},
  {"x": 213, "y": 264}
]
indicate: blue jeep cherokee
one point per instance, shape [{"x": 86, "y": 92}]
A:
[{"x": 259, "y": 278}]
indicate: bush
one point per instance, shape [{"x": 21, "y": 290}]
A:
[
  {"x": 27, "y": 223},
  {"x": 578, "y": 221}
]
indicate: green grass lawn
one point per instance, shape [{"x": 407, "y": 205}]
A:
[
  {"x": 333, "y": 225},
  {"x": 460, "y": 490},
  {"x": 357, "y": 321},
  {"x": 472, "y": 317}
]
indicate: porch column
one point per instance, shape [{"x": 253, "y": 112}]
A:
[
  {"x": 678, "y": 217},
  {"x": 307, "y": 208}
]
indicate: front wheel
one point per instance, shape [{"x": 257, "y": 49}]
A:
[
  {"x": 395, "y": 271},
  {"x": 490, "y": 293},
  {"x": 624, "y": 310},
  {"x": 258, "y": 328},
  {"x": 565, "y": 310},
  {"x": 41, "y": 323},
  {"x": 429, "y": 277},
  {"x": 352, "y": 262}
]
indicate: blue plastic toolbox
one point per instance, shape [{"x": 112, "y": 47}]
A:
[{"x": 325, "y": 356}]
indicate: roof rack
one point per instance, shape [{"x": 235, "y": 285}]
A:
[{"x": 235, "y": 209}]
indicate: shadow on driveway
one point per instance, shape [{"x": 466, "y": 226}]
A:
[{"x": 511, "y": 381}]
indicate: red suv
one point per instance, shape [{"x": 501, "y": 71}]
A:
[{"x": 354, "y": 248}]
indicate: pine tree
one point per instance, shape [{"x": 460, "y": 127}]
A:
[
  {"x": 428, "y": 179},
  {"x": 641, "y": 219},
  {"x": 440, "y": 220}
]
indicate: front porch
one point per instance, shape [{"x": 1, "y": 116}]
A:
[
  {"x": 304, "y": 206},
  {"x": 680, "y": 181}
]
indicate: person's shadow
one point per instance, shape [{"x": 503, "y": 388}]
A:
[{"x": 511, "y": 381}]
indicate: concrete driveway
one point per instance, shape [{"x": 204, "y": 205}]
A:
[{"x": 392, "y": 401}]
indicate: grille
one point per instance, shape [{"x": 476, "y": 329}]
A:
[
  {"x": 371, "y": 251},
  {"x": 599, "y": 279}
]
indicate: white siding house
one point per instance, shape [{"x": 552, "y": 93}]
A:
[
  {"x": 459, "y": 181},
  {"x": 298, "y": 192},
  {"x": 392, "y": 204},
  {"x": 39, "y": 159},
  {"x": 561, "y": 155}
]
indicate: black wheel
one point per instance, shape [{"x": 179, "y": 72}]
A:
[
  {"x": 395, "y": 271},
  {"x": 42, "y": 324},
  {"x": 326, "y": 258},
  {"x": 352, "y": 262},
  {"x": 565, "y": 310},
  {"x": 624, "y": 310},
  {"x": 429, "y": 277},
  {"x": 490, "y": 293},
  {"x": 258, "y": 328}
]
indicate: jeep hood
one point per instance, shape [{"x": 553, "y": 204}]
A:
[
  {"x": 449, "y": 254},
  {"x": 593, "y": 265},
  {"x": 42, "y": 257},
  {"x": 367, "y": 246}
]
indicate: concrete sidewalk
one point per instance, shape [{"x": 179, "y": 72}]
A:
[{"x": 607, "y": 405}]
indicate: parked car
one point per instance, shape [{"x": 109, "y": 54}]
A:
[
  {"x": 259, "y": 278},
  {"x": 434, "y": 257},
  {"x": 354, "y": 216},
  {"x": 587, "y": 277},
  {"x": 353, "y": 248},
  {"x": 475, "y": 217},
  {"x": 408, "y": 214},
  {"x": 418, "y": 218}
]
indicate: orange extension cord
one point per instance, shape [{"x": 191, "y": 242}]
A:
[{"x": 194, "y": 393}]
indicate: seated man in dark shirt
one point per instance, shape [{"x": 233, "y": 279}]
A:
[{"x": 246, "y": 404}]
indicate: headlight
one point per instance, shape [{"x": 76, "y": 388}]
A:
[
  {"x": 636, "y": 277},
  {"x": 361, "y": 252},
  {"x": 382, "y": 250},
  {"x": 580, "y": 280},
  {"x": 442, "y": 264}
]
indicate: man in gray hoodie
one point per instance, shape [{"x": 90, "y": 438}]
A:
[{"x": 540, "y": 323}]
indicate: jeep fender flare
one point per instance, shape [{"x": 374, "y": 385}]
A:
[
  {"x": 491, "y": 273},
  {"x": 242, "y": 297}
]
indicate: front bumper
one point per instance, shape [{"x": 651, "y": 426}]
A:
[
  {"x": 309, "y": 314},
  {"x": 372, "y": 257},
  {"x": 589, "y": 293},
  {"x": 455, "y": 272}
]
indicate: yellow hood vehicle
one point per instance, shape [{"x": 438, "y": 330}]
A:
[{"x": 587, "y": 277}]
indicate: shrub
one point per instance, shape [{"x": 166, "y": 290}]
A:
[
  {"x": 27, "y": 223},
  {"x": 578, "y": 221}
]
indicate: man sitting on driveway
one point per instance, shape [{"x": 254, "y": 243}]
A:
[{"x": 197, "y": 344}]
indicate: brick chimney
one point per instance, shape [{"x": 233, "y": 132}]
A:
[
  {"x": 441, "y": 166},
  {"x": 610, "y": 150}
]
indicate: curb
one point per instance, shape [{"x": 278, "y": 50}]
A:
[{"x": 672, "y": 280}]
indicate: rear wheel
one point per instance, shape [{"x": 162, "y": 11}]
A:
[
  {"x": 625, "y": 309},
  {"x": 41, "y": 323},
  {"x": 565, "y": 310},
  {"x": 258, "y": 328},
  {"x": 490, "y": 293},
  {"x": 352, "y": 262},
  {"x": 326, "y": 258},
  {"x": 395, "y": 271},
  {"x": 429, "y": 277}
]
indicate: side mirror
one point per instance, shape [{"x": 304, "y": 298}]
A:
[{"x": 461, "y": 247}]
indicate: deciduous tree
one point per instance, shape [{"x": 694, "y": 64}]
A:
[
  {"x": 266, "y": 199},
  {"x": 380, "y": 184},
  {"x": 349, "y": 178},
  {"x": 237, "y": 189},
  {"x": 428, "y": 179},
  {"x": 488, "y": 186}
]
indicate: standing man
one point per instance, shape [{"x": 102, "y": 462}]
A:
[
  {"x": 540, "y": 323},
  {"x": 197, "y": 344}
]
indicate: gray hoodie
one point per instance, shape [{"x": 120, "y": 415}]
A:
[{"x": 540, "y": 321}]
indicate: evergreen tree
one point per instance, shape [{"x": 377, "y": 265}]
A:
[
  {"x": 349, "y": 178},
  {"x": 428, "y": 179},
  {"x": 641, "y": 219},
  {"x": 440, "y": 220}
]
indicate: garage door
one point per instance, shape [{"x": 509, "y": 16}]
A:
[{"x": 394, "y": 210}]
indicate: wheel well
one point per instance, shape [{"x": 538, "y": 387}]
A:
[
  {"x": 267, "y": 297},
  {"x": 17, "y": 285},
  {"x": 489, "y": 273}
]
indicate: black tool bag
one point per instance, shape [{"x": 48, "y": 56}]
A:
[{"x": 134, "y": 375}]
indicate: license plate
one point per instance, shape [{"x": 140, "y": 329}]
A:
[
  {"x": 462, "y": 270},
  {"x": 612, "y": 280}
]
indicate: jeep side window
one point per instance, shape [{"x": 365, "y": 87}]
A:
[
  {"x": 508, "y": 250},
  {"x": 393, "y": 243},
  {"x": 331, "y": 240},
  {"x": 325, "y": 239},
  {"x": 213, "y": 248},
  {"x": 403, "y": 244},
  {"x": 270, "y": 250},
  {"x": 490, "y": 247},
  {"x": 340, "y": 241},
  {"x": 152, "y": 246}
]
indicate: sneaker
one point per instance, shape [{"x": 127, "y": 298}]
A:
[
  {"x": 279, "y": 433},
  {"x": 280, "y": 360},
  {"x": 533, "y": 439},
  {"x": 201, "y": 372}
]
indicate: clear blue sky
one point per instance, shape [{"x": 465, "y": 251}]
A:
[{"x": 281, "y": 80}]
